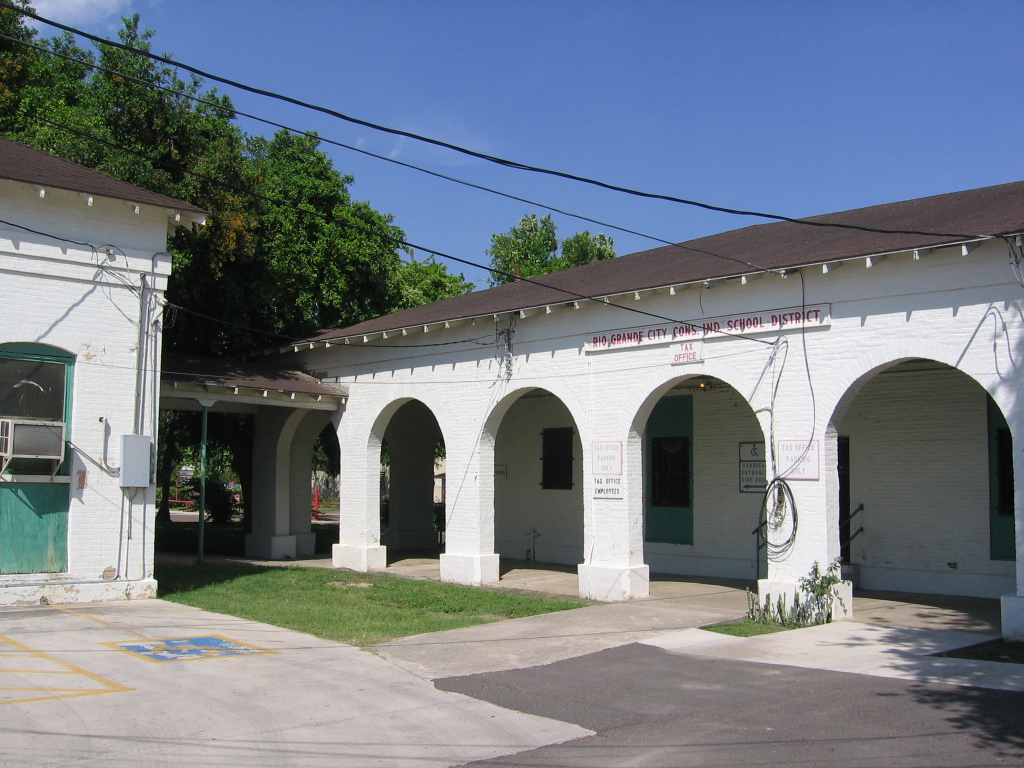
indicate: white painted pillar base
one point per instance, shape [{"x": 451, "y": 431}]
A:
[
  {"x": 611, "y": 584},
  {"x": 1013, "y": 617},
  {"x": 842, "y": 603},
  {"x": 266, "y": 547},
  {"x": 360, "y": 559},
  {"x": 469, "y": 569},
  {"x": 305, "y": 544}
]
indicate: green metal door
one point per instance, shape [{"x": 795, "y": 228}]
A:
[
  {"x": 34, "y": 527},
  {"x": 669, "y": 490}
]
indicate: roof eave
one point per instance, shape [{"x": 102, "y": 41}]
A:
[{"x": 365, "y": 337}]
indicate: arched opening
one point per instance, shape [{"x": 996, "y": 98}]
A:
[
  {"x": 926, "y": 495},
  {"x": 410, "y": 453},
  {"x": 703, "y": 465},
  {"x": 538, "y": 482}
]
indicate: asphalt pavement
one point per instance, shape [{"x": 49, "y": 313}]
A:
[{"x": 658, "y": 709}]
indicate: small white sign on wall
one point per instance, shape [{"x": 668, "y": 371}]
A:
[
  {"x": 608, "y": 487},
  {"x": 607, "y": 457},
  {"x": 687, "y": 352},
  {"x": 606, "y": 463},
  {"x": 799, "y": 460}
]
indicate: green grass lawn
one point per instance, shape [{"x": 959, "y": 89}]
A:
[
  {"x": 358, "y": 608},
  {"x": 745, "y": 628},
  {"x": 998, "y": 650}
]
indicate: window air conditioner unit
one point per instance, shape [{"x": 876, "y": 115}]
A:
[{"x": 31, "y": 439}]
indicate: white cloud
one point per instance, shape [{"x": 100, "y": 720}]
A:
[
  {"x": 82, "y": 12},
  {"x": 399, "y": 146}
]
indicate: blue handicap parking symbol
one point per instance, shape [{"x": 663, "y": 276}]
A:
[{"x": 186, "y": 648}]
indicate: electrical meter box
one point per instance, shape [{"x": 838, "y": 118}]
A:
[{"x": 136, "y": 460}]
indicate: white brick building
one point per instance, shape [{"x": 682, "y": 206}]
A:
[
  {"x": 883, "y": 367},
  {"x": 82, "y": 272}
]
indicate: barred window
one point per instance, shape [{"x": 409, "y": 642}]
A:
[
  {"x": 556, "y": 459},
  {"x": 670, "y": 471}
]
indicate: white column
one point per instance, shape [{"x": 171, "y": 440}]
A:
[
  {"x": 359, "y": 547},
  {"x": 469, "y": 556},
  {"x": 614, "y": 568},
  {"x": 271, "y": 536},
  {"x": 813, "y": 508}
]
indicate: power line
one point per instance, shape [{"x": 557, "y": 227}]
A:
[
  {"x": 385, "y": 158},
  {"x": 396, "y": 241},
  {"x": 472, "y": 153}
]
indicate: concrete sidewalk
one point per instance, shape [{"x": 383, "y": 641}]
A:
[
  {"x": 865, "y": 649},
  {"x": 113, "y": 684},
  {"x": 551, "y": 637}
]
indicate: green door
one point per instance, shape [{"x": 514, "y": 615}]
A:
[
  {"x": 669, "y": 488},
  {"x": 34, "y": 527},
  {"x": 35, "y": 383}
]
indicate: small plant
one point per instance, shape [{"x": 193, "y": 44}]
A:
[
  {"x": 819, "y": 586},
  {"x": 814, "y": 607}
]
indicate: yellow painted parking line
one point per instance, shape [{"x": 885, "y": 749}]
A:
[
  {"x": 90, "y": 617},
  {"x": 12, "y": 680}
]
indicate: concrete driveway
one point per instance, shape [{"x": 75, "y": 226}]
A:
[{"x": 114, "y": 685}]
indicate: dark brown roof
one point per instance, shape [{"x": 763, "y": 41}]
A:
[
  {"x": 20, "y": 162},
  {"x": 960, "y": 216},
  {"x": 248, "y": 375}
]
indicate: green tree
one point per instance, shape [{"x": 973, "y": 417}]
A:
[
  {"x": 585, "y": 248},
  {"x": 527, "y": 250},
  {"x": 424, "y": 282},
  {"x": 531, "y": 249},
  {"x": 286, "y": 249},
  {"x": 333, "y": 260}
]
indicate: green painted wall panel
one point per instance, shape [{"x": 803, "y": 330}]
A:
[
  {"x": 1002, "y": 528},
  {"x": 671, "y": 417},
  {"x": 34, "y": 527}
]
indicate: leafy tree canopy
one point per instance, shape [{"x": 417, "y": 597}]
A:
[
  {"x": 286, "y": 249},
  {"x": 531, "y": 249},
  {"x": 424, "y": 282}
]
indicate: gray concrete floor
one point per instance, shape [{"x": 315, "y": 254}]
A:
[{"x": 73, "y": 692}]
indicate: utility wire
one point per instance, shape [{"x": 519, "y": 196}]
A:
[
  {"x": 395, "y": 241},
  {"x": 90, "y": 246},
  {"x": 385, "y": 158},
  {"x": 472, "y": 153},
  {"x": 179, "y": 308}
]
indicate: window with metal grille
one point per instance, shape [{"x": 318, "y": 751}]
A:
[
  {"x": 670, "y": 471},
  {"x": 556, "y": 459}
]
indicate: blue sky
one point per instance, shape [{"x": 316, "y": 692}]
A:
[{"x": 796, "y": 108}]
